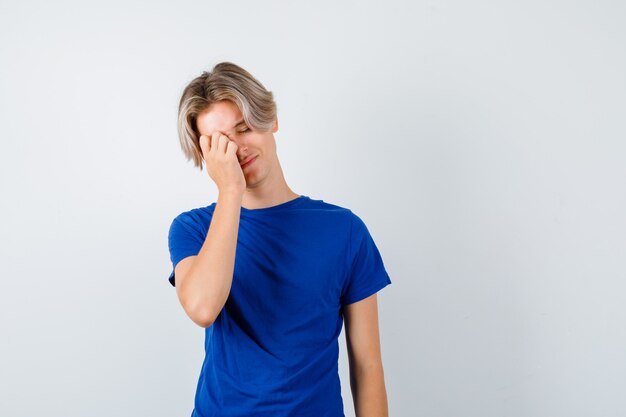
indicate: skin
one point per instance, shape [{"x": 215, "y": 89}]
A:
[
  {"x": 367, "y": 381},
  {"x": 225, "y": 145},
  {"x": 265, "y": 184}
]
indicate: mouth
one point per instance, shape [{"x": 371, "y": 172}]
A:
[{"x": 248, "y": 161}]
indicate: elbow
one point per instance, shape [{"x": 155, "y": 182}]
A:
[
  {"x": 197, "y": 311},
  {"x": 202, "y": 317},
  {"x": 205, "y": 323}
]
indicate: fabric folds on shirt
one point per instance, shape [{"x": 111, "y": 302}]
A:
[{"x": 273, "y": 350}]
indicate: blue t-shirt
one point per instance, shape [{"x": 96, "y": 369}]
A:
[{"x": 273, "y": 349}]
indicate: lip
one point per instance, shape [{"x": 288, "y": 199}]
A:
[{"x": 248, "y": 161}]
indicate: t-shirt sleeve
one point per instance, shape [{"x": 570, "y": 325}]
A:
[
  {"x": 184, "y": 239},
  {"x": 366, "y": 270}
]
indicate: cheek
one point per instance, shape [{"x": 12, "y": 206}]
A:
[{"x": 257, "y": 141}]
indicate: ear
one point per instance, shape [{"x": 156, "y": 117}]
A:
[{"x": 275, "y": 128}]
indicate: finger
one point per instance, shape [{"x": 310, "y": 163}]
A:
[
  {"x": 204, "y": 146},
  {"x": 231, "y": 149},
  {"x": 215, "y": 141},
  {"x": 221, "y": 144}
]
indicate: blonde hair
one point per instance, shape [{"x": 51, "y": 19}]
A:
[{"x": 226, "y": 81}]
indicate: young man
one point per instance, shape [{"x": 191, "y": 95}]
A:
[{"x": 269, "y": 273}]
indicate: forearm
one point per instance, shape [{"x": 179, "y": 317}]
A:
[
  {"x": 368, "y": 391},
  {"x": 208, "y": 285}
]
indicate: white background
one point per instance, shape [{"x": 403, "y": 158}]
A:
[{"x": 481, "y": 142}]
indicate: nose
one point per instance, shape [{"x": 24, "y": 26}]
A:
[
  {"x": 242, "y": 151},
  {"x": 241, "y": 148}
]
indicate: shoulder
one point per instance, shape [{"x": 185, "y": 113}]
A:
[
  {"x": 334, "y": 209},
  {"x": 336, "y": 214},
  {"x": 196, "y": 217},
  {"x": 344, "y": 219}
]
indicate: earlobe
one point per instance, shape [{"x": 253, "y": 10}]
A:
[{"x": 275, "y": 128}]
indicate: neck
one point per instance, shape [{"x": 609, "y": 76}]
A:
[{"x": 271, "y": 191}]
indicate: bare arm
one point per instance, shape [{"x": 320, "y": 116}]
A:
[
  {"x": 367, "y": 380},
  {"x": 203, "y": 282}
]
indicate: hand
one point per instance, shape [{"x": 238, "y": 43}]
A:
[{"x": 222, "y": 165}]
